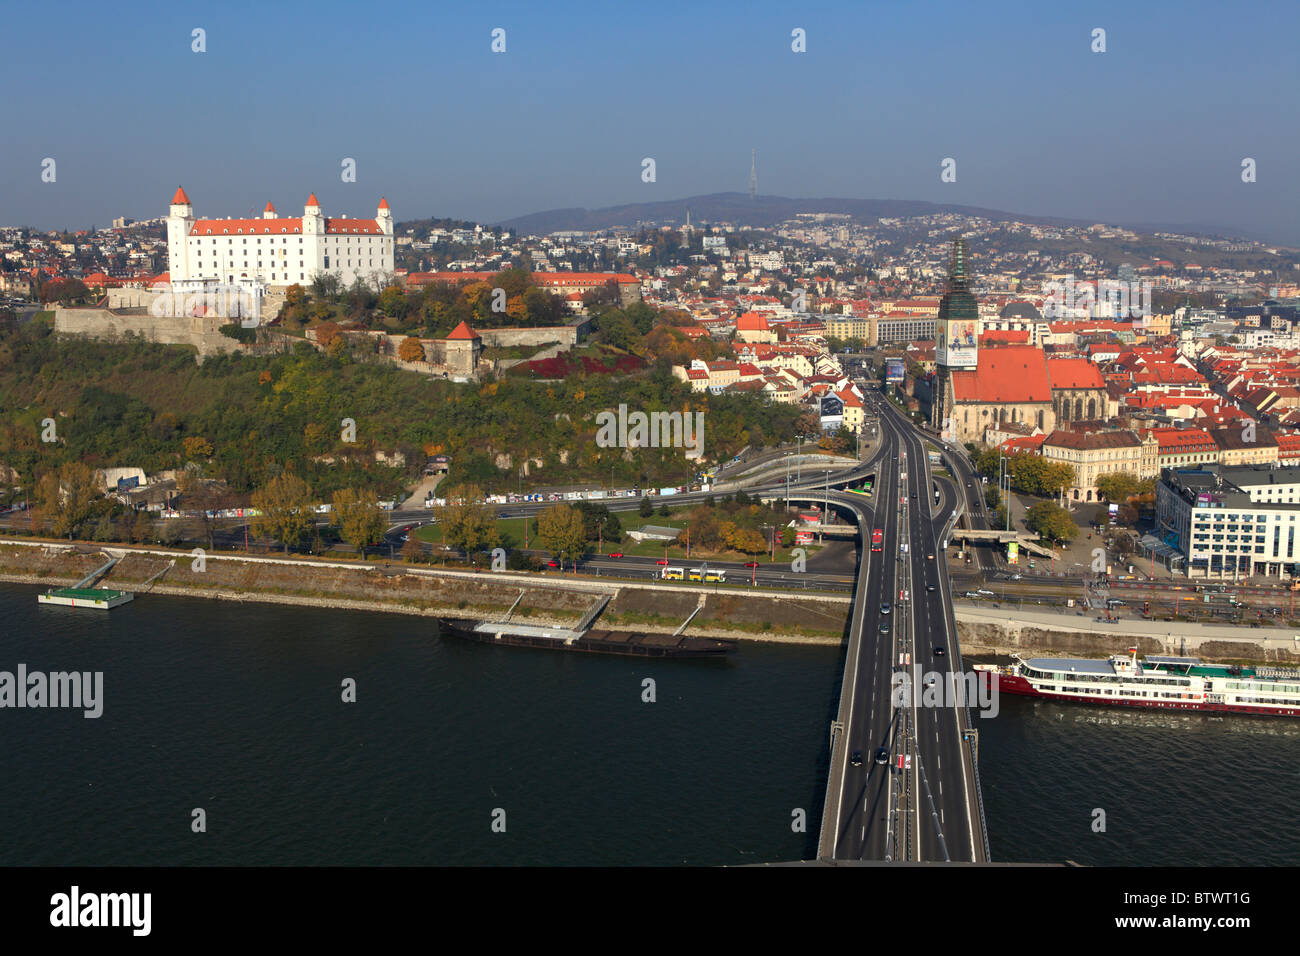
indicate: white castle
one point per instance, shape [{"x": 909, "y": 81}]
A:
[{"x": 251, "y": 254}]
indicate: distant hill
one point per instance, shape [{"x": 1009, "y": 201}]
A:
[
  {"x": 761, "y": 211},
  {"x": 766, "y": 211}
]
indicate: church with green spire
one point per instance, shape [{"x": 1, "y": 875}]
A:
[{"x": 956, "y": 329}]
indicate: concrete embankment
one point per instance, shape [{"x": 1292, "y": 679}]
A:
[
  {"x": 656, "y": 608},
  {"x": 1045, "y": 633},
  {"x": 407, "y": 589}
]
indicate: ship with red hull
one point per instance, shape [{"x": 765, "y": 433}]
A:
[{"x": 1162, "y": 683}]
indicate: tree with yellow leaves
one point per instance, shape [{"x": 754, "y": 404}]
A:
[
  {"x": 562, "y": 532},
  {"x": 411, "y": 350},
  {"x": 66, "y": 496},
  {"x": 287, "y": 509},
  {"x": 360, "y": 520}
]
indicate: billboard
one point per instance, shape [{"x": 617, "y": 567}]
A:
[
  {"x": 894, "y": 371},
  {"x": 958, "y": 343},
  {"x": 1013, "y": 553}
]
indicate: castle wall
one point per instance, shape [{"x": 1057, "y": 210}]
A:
[{"x": 110, "y": 326}]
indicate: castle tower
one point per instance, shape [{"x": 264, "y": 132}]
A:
[
  {"x": 313, "y": 223},
  {"x": 180, "y": 219},
  {"x": 384, "y": 217},
  {"x": 956, "y": 330},
  {"x": 268, "y": 212}
]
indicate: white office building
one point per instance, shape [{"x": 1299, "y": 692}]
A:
[{"x": 1231, "y": 521}]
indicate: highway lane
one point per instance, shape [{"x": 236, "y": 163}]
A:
[
  {"x": 861, "y": 808},
  {"x": 942, "y": 764}
]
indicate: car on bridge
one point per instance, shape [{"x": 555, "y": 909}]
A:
[
  {"x": 856, "y": 759},
  {"x": 751, "y": 564},
  {"x": 885, "y": 608},
  {"x": 877, "y": 540},
  {"x": 938, "y": 650},
  {"x": 882, "y": 755},
  {"x": 884, "y": 627}
]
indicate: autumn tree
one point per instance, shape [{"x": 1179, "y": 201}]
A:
[
  {"x": 467, "y": 522},
  {"x": 1051, "y": 521},
  {"x": 360, "y": 520},
  {"x": 1117, "y": 486},
  {"x": 560, "y": 531},
  {"x": 196, "y": 447},
  {"x": 393, "y": 302},
  {"x": 287, "y": 509},
  {"x": 66, "y": 497},
  {"x": 327, "y": 332},
  {"x": 410, "y": 350}
]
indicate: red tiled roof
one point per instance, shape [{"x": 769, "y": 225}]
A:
[
  {"x": 1062, "y": 438},
  {"x": 312, "y": 200},
  {"x": 1009, "y": 336},
  {"x": 1016, "y": 374},
  {"x": 1026, "y": 444},
  {"x": 1074, "y": 373},
  {"x": 338, "y": 226},
  {"x": 383, "y": 203},
  {"x": 1174, "y": 441},
  {"x": 236, "y": 227},
  {"x": 180, "y": 199},
  {"x": 463, "y": 331}
]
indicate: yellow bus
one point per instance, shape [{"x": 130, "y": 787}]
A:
[
  {"x": 720, "y": 576},
  {"x": 695, "y": 575},
  {"x": 672, "y": 574}
]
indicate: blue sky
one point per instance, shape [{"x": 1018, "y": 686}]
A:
[{"x": 1154, "y": 129}]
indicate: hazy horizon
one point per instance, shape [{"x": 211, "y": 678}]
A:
[{"x": 1154, "y": 130}]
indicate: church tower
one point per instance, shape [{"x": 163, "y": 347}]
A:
[{"x": 957, "y": 330}]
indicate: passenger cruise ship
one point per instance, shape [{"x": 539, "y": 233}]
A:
[{"x": 1170, "y": 683}]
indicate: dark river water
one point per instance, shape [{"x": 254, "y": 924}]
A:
[{"x": 237, "y": 709}]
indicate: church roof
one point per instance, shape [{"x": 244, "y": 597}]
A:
[
  {"x": 1014, "y": 374},
  {"x": 1074, "y": 373}
]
